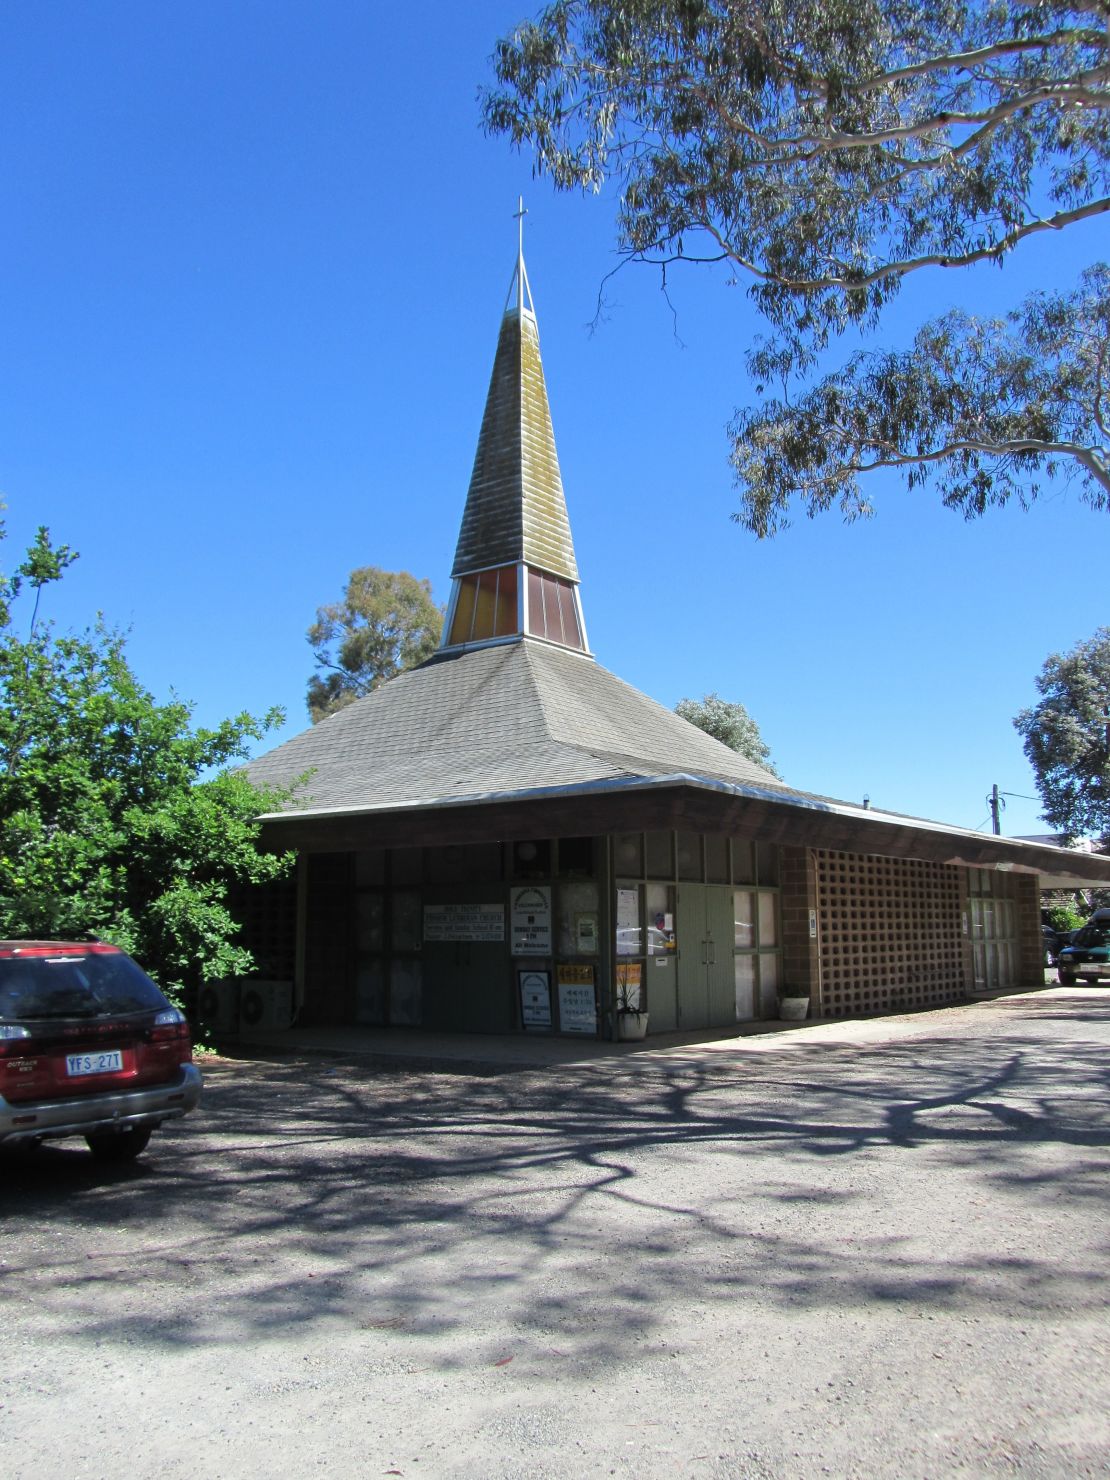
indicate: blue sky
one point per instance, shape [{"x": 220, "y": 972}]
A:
[{"x": 253, "y": 262}]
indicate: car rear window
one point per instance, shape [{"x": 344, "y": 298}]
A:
[
  {"x": 74, "y": 984},
  {"x": 1093, "y": 935}
]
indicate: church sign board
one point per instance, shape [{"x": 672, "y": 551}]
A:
[
  {"x": 531, "y": 920},
  {"x": 467, "y": 922}
]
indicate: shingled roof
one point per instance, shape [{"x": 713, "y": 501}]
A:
[{"x": 516, "y": 717}]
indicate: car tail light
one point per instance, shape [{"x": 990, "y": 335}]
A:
[{"x": 169, "y": 1038}]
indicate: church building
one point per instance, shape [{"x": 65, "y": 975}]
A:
[{"x": 510, "y": 839}]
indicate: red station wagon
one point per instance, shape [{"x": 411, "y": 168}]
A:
[{"x": 88, "y": 1047}]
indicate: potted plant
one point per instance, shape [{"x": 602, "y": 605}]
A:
[
  {"x": 793, "y": 1005},
  {"x": 632, "y": 1019}
]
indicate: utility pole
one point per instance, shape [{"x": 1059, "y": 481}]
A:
[{"x": 995, "y": 802}]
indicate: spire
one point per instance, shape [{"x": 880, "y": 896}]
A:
[{"x": 515, "y": 573}]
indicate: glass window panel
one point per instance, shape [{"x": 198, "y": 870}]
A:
[
  {"x": 630, "y": 987},
  {"x": 979, "y": 965},
  {"x": 572, "y": 634},
  {"x": 406, "y": 921},
  {"x": 659, "y": 901},
  {"x": 743, "y": 862},
  {"x": 576, "y": 857},
  {"x": 505, "y": 622},
  {"x": 745, "y": 987},
  {"x": 577, "y": 918},
  {"x": 689, "y": 855},
  {"x": 628, "y": 920},
  {"x": 551, "y": 612},
  {"x": 628, "y": 854},
  {"x": 370, "y": 867},
  {"x": 768, "y": 920},
  {"x": 716, "y": 859},
  {"x": 767, "y": 863},
  {"x": 536, "y": 625},
  {"x": 463, "y": 620},
  {"x": 660, "y": 855},
  {"x": 370, "y": 922},
  {"x": 404, "y": 992},
  {"x": 485, "y": 608},
  {"x": 976, "y": 918},
  {"x": 370, "y": 993},
  {"x": 769, "y": 986},
  {"x": 406, "y": 865},
  {"x": 476, "y": 863},
  {"x": 1005, "y": 965},
  {"x": 743, "y": 914}
]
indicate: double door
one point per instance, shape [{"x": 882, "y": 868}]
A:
[{"x": 706, "y": 984}]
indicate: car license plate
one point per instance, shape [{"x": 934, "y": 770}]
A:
[{"x": 110, "y": 1061}]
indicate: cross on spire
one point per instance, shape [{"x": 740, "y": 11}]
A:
[{"x": 518, "y": 216}]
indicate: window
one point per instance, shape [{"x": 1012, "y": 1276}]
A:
[
  {"x": 485, "y": 607},
  {"x": 553, "y": 610}
]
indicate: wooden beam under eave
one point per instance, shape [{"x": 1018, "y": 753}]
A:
[{"x": 690, "y": 808}]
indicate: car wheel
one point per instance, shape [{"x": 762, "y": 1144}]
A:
[
  {"x": 122, "y": 1145},
  {"x": 1066, "y": 976}
]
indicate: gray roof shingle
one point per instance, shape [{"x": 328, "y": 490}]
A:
[{"x": 514, "y": 717}]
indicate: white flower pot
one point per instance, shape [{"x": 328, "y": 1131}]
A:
[{"x": 631, "y": 1026}]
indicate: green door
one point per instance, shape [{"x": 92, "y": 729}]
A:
[
  {"x": 693, "y": 959},
  {"x": 719, "y": 931},
  {"x": 706, "y": 985}
]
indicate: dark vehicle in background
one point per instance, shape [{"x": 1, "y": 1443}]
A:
[
  {"x": 1087, "y": 956},
  {"x": 88, "y": 1047},
  {"x": 1051, "y": 941}
]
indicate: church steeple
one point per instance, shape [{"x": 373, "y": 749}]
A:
[{"x": 515, "y": 574}]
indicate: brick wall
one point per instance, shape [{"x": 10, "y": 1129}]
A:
[{"x": 1030, "y": 942}]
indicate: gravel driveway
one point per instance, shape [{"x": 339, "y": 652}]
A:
[{"x": 881, "y": 1257}]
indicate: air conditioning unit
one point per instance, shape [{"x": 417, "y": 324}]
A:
[
  {"x": 218, "y": 1006},
  {"x": 265, "y": 1007}
]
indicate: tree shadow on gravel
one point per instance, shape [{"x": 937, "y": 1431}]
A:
[{"x": 579, "y": 1208}]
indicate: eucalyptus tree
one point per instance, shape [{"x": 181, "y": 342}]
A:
[
  {"x": 827, "y": 150},
  {"x": 1067, "y": 737},
  {"x": 385, "y": 622}
]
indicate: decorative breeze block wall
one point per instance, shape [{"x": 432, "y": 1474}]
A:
[{"x": 890, "y": 933}]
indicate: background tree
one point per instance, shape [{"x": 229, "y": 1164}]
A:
[
  {"x": 111, "y": 819},
  {"x": 386, "y": 622},
  {"x": 1067, "y": 738},
  {"x": 731, "y": 724},
  {"x": 826, "y": 150}
]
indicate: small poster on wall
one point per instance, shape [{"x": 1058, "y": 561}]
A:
[
  {"x": 577, "y": 1002},
  {"x": 630, "y": 982},
  {"x": 535, "y": 999},
  {"x": 585, "y": 933},
  {"x": 531, "y": 920},
  {"x": 628, "y": 922}
]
